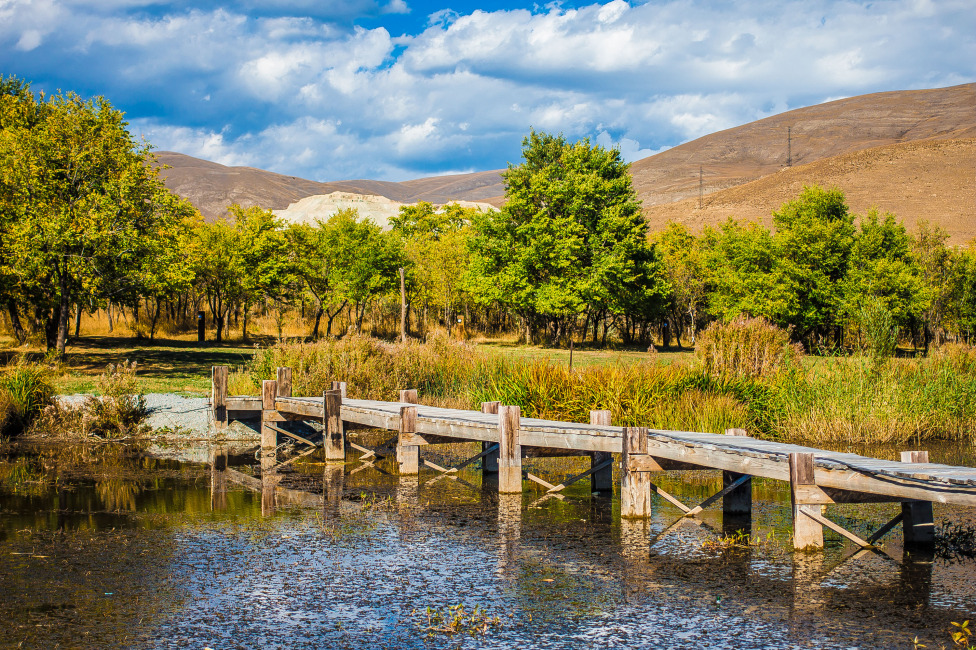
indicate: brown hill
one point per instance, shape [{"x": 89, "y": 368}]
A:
[
  {"x": 212, "y": 187},
  {"x": 748, "y": 152},
  {"x": 728, "y": 159},
  {"x": 933, "y": 180}
]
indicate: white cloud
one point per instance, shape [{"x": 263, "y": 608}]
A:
[{"x": 290, "y": 89}]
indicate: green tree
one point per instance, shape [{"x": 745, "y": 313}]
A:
[
  {"x": 741, "y": 259},
  {"x": 570, "y": 237},
  {"x": 81, "y": 205},
  {"x": 685, "y": 265}
]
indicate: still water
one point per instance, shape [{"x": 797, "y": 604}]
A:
[{"x": 107, "y": 546}]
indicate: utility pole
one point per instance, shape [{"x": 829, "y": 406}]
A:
[
  {"x": 789, "y": 146},
  {"x": 701, "y": 186}
]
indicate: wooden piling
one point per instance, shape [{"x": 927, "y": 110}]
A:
[
  {"x": 489, "y": 463},
  {"x": 218, "y": 394},
  {"x": 738, "y": 502},
  {"x": 601, "y": 480},
  {"x": 269, "y": 437},
  {"x": 409, "y": 396},
  {"x": 332, "y": 433},
  {"x": 509, "y": 450},
  {"x": 341, "y": 387},
  {"x": 807, "y": 532},
  {"x": 408, "y": 455},
  {"x": 916, "y": 516},
  {"x": 284, "y": 382},
  {"x": 635, "y": 487}
]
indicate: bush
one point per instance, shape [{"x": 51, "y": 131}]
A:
[
  {"x": 25, "y": 390},
  {"x": 746, "y": 348},
  {"x": 120, "y": 410}
]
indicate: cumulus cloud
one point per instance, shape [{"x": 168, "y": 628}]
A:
[{"x": 306, "y": 87}]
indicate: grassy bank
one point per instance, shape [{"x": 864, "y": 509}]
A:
[{"x": 844, "y": 400}]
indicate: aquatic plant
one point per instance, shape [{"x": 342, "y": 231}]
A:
[
  {"x": 456, "y": 619},
  {"x": 955, "y": 541}
]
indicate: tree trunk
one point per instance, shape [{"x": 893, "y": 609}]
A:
[
  {"x": 403, "y": 307},
  {"x": 15, "y": 323},
  {"x": 318, "y": 321},
  {"x": 64, "y": 309},
  {"x": 111, "y": 322},
  {"x": 78, "y": 321}
]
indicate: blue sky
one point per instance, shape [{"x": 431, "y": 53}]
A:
[{"x": 399, "y": 89}]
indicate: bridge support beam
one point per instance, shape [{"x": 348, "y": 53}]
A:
[
  {"x": 269, "y": 437},
  {"x": 602, "y": 479},
  {"x": 333, "y": 437},
  {"x": 635, "y": 486},
  {"x": 509, "y": 450},
  {"x": 408, "y": 455},
  {"x": 916, "y": 516},
  {"x": 737, "y": 504},
  {"x": 807, "y": 530},
  {"x": 218, "y": 395},
  {"x": 489, "y": 463}
]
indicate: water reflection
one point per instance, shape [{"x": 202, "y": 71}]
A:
[{"x": 122, "y": 550}]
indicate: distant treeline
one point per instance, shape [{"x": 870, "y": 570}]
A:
[{"x": 86, "y": 225}]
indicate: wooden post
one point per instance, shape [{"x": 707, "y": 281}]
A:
[
  {"x": 218, "y": 394},
  {"x": 409, "y": 396},
  {"x": 341, "y": 387},
  {"x": 269, "y": 437},
  {"x": 807, "y": 533},
  {"x": 489, "y": 462},
  {"x": 408, "y": 455},
  {"x": 635, "y": 487},
  {"x": 218, "y": 479},
  {"x": 916, "y": 516},
  {"x": 332, "y": 434},
  {"x": 509, "y": 450},
  {"x": 738, "y": 502},
  {"x": 284, "y": 382},
  {"x": 601, "y": 480},
  {"x": 333, "y": 479}
]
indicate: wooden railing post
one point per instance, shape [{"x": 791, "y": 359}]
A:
[
  {"x": 218, "y": 394},
  {"x": 635, "y": 487},
  {"x": 332, "y": 433},
  {"x": 509, "y": 450},
  {"x": 408, "y": 455},
  {"x": 917, "y": 520},
  {"x": 284, "y": 382},
  {"x": 738, "y": 502},
  {"x": 269, "y": 437},
  {"x": 489, "y": 462},
  {"x": 601, "y": 480},
  {"x": 408, "y": 396},
  {"x": 807, "y": 532},
  {"x": 341, "y": 387}
]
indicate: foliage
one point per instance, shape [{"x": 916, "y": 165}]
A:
[
  {"x": 457, "y": 619},
  {"x": 85, "y": 215},
  {"x": 749, "y": 348},
  {"x": 570, "y": 238},
  {"x": 25, "y": 391}
]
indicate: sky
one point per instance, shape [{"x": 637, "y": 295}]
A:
[{"x": 400, "y": 89}]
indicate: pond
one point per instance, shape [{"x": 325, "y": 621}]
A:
[{"x": 111, "y": 546}]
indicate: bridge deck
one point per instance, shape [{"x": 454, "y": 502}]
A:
[{"x": 765, "y": 458}]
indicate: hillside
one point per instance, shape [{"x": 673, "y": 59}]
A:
[
  {"x": 668, "y": 183},
  {"x": 933, "y": 180}
]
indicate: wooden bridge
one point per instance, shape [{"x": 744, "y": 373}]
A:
[{"x": 817, "y": 477}]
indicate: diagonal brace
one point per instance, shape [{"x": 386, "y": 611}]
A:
[
  {"x": 837, "y": 528},
  {"x": 290, "y": 434}
]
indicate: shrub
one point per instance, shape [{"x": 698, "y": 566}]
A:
[
  {"x": 747, "y": 348},
  {"x": 25, "y": 390}
]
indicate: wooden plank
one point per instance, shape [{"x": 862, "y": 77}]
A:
[
  {"x": 601, "y": 480},
  {"x": 283, "y": 376},
  {"x": 837, "y": 528},
  {"x": 670, "y": 498},
  {"x": 408, "y": 455},
  {"x": 635, "y": 487},
  {"x": 720, "y": 494},
  {"x": 442, "y": 470},
  {"x": 807, "y": 528},
  {"x": 245, "y": 403},
  {"x": 881, "y": 532},
  {"x": 218, "y": 395},
  {"x": 333, "y": 436},
  {"x": 293, "y": 435},
  {"x": 573, "y": 479},
  {"x": 541, "y": 481},
  {"x": 509, "y": 450}
]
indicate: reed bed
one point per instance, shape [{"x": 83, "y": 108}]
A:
[{"x": 775, "y": 393}]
